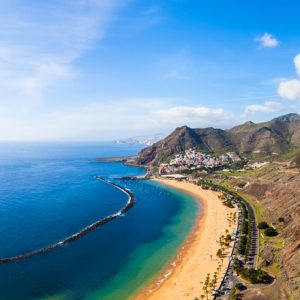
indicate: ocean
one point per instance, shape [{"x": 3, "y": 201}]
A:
[{"x": 48, "y": 191}]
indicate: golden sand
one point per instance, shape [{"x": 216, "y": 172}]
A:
[{"x": 198, "y": 256}]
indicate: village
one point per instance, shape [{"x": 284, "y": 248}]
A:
[{"x": 192, "y": 159}]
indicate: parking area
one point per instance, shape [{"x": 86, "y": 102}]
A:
[{"x": 250, "y": 261}]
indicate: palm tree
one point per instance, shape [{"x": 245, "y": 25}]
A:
[{"x": 215, "y": 280}]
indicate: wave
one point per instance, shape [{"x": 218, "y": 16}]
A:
[{"x": 130, "y": 203}]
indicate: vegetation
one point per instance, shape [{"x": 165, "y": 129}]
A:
[
  {"x": 240, "y": 286},
  {"x": 228, "y": 238},
  {"x": 269, "y": 246},
  {"x": 246, "y": 226},
  {"x": 249, "y": 239},
  {"x": 250, "y": 274},
  {"x": 263, "y": 225},
  {"x": 241, "y": 184},
  {"x": 255, "y": 276},
  {"x": 296, "y": 159},
  {"x": 237, "y": 265},
  {"x": 210, "y": 283},
  {"x": 219, "y": 253},
  {"x": 226, "y": 200},
  {"x": 242, "y": 245},
  {"x": 270, "y": 231},
  {"x": 269, "y": 261},
  {"x": 207, "y": 285},
  {"x": 228, "y": 203},
  {"x": 232, "y": 295}
]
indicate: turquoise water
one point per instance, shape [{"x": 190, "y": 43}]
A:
[{"x": 48, "y": 191}]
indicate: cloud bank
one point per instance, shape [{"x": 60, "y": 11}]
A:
[
  {"x": 113, "y": 119},
  {"x": 266, "y": 107},
  {"x": 197, "y": 116},
  {"x": 290, "y": 89}
]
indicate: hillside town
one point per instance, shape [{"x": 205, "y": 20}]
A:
[{"x": 192, "y": 159}]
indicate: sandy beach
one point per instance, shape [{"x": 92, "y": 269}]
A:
[{"x": 185, "y": 277}]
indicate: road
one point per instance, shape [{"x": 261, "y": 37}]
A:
[{"x": 230, "y": 279}]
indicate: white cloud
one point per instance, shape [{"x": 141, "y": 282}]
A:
[
  {"x": 266, "y": 107},
  {"x": 297, "y": 63},
  {"x": 275, "y": 81},
  {"x": 267, "y": 40},
  {"x": 290, "y": 89},
  {"x": 109, "y": 120},
  {"x": 200, "y": 116},
  {"x": 93, "y": 121}
]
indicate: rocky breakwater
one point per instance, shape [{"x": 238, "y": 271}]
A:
[{"x": 130, "y": 203}]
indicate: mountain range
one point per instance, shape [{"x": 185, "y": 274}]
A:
[{"x": 278, "y": 136}]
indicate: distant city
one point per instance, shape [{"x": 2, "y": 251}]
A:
[{"x": 141, "y": 140}]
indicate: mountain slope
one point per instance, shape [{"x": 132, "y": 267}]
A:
[
  {"x": 178, "y": 141},
  {"x": 274, "y": 137}
]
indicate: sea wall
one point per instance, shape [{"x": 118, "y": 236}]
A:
[{"x": 130, "y": 203}]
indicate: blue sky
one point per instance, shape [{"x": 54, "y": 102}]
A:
[{"x": 99, "y": 70}]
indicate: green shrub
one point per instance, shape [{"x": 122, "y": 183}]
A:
[
  {"x": 244, "y": 227},
  {"x": 228, "y": 237},
  {"x": 237, "y": 264},
  {"x": 255, "y": 276},
  {"x": 263, "y": 225},
  {"x": 270, "y": 231},
  {"x": 242, "y": 245},
  {"x": 228, "y": 203},
  {"x": 219, "y": 253},
  {"x": 240, "y": 286},
  {"x": 241, "y": 184}
]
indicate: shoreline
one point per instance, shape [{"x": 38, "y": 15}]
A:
[{"x": 184, "y": 276}]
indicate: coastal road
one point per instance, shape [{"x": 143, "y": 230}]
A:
[{"x": 230, "y": 280}]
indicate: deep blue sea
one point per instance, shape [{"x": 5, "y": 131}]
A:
[{"x": 48, "y": 191}]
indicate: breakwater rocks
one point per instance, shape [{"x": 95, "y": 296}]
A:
[
  {"x": 130, "y": 203},
  {"x": 143, "y": 177}
]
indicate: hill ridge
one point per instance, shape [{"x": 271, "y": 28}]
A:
[{"x": 275, "y": 137}]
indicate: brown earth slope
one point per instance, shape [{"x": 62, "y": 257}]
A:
[
  {"x": 275, "y": 137},
  {"x": 275, "y": 192}
]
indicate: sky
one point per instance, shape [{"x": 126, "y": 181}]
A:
[{"x": 93, "y": 70}]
